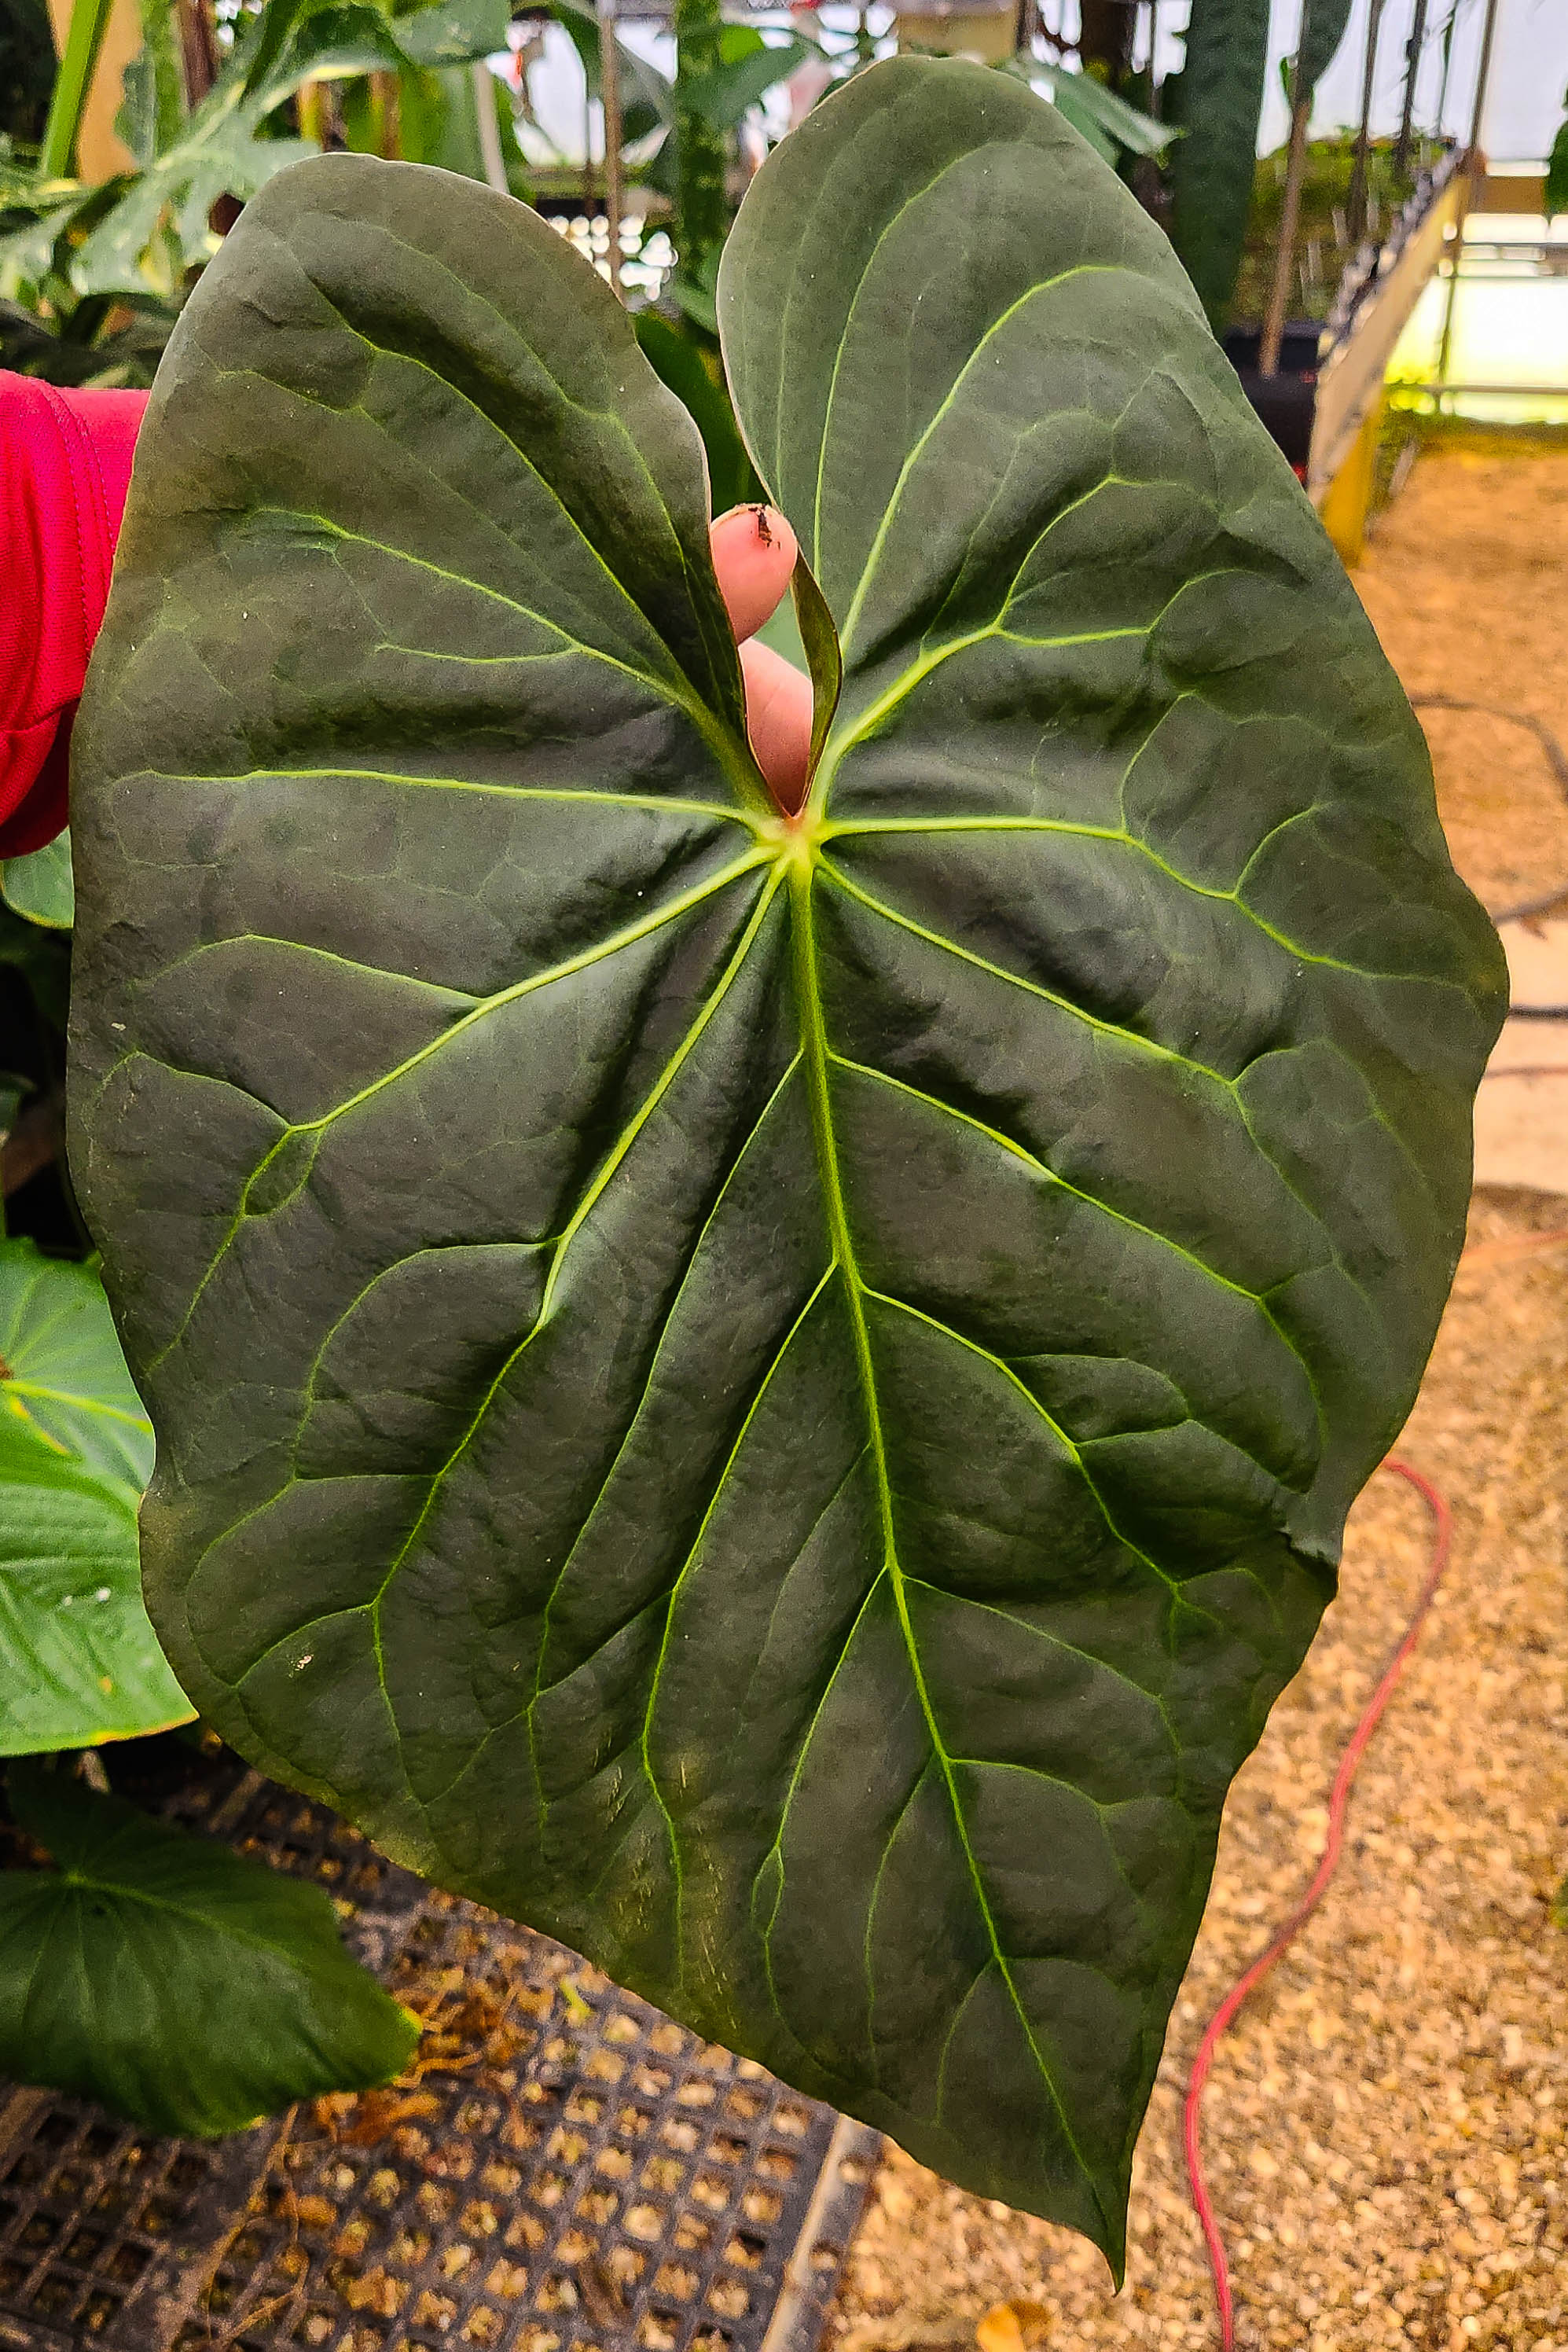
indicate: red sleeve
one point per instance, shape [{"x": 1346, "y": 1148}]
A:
[{"x": 65, "y": 468}]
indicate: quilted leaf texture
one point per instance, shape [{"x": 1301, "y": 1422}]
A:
[{"x": 776, "y": 1398}]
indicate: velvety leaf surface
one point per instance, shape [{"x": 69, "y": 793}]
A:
[
  {"x": 173, "y": 1980},
  {"x": 79, "y": 1660},
  {"x": 777, "y": 1400}
]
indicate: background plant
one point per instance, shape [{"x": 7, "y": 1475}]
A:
[{"x": 204, "y": 1990}]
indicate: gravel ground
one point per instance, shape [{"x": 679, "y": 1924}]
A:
[
  {"x": 1385, "y": 2126},
  {"x": 1467, "y": 583}
]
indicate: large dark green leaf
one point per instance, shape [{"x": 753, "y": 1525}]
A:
[
  {"x": 79, "y": 1661},
  {"x": 172, "y": 1979},
  {"x": 778, "y": 1399}
]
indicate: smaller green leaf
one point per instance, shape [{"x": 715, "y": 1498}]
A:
[
  {"x": 80, "y": 1663},
  {"x": 1065, "y": 99},
  {"x": 678, "y": 362},
  {"x": 173, "y": 1980},
  {"x": 1097, "y": 112},
  {"x": 39, "y": 886},
  {"x": 454, "y": 33},
  {"x": 824, "y": 659},
  {"x": 723, "y": 97},
  {"x": 61, "y": 1370},
  {"x": 1557, "y": 172}
]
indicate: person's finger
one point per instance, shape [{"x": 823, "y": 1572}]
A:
[
  {"x": 778, "y": 721},
  {"x": 753, "y": 554}
]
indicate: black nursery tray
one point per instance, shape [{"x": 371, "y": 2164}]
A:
[{"x": 612, "y": 2185}]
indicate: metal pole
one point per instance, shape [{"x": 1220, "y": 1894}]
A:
[
  {"x": 1416, "y": 43},
  {"x": 1471, "y": 160},
  {"x": 1483, "y": 75},
  {"x": 609, "y": 92},
  {"x": 1355, "y": 208}
]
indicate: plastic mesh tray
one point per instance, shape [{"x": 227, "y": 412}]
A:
[{"x": 608, "y": 2183}]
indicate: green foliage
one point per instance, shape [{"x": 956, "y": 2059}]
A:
[
  {"x": 72, "y": 258},
  {"x": 41, "y": 959},
  {"x": 171, "y": 1979},
  {"x": 1108, "y": 122},
  {"x": 39, "y": 886},
  {"x": 67, "y": 101},
  {"x": 1323, "y": 246},
  {"x": 776, "y": 1398},
  {"x": 79, "y": 1661},
  {"x": 679, "y": 361},
  {"x": 1557, "y": 171},
  {"x": 1217, "y": 100}
]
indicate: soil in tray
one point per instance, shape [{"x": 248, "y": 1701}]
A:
[{"x": 1385, "y": 2126}]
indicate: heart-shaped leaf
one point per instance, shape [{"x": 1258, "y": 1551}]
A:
[
  {"x": 172, "y": 1979},
  {"x": 79, "y": 1662},
  {"x": 777, "y": 1398}
]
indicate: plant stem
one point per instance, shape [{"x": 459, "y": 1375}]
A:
[
  {"x": 198, "y": 50},
  {"x": 89, "y": 21},
  {"x": 1285, "y": 250},
  {"x": 489, "y": 129},
  {"x": 609, "y": 96}
]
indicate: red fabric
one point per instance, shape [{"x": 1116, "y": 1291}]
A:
[{"x": 65, "y": 468}]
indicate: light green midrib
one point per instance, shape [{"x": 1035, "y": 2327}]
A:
[
  {"x": 584, "y": 795},
  {"x": 815, "y": 1046},
  {"x": 18, "y": 1386},
  {"x": 91, "y": 1884}
]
